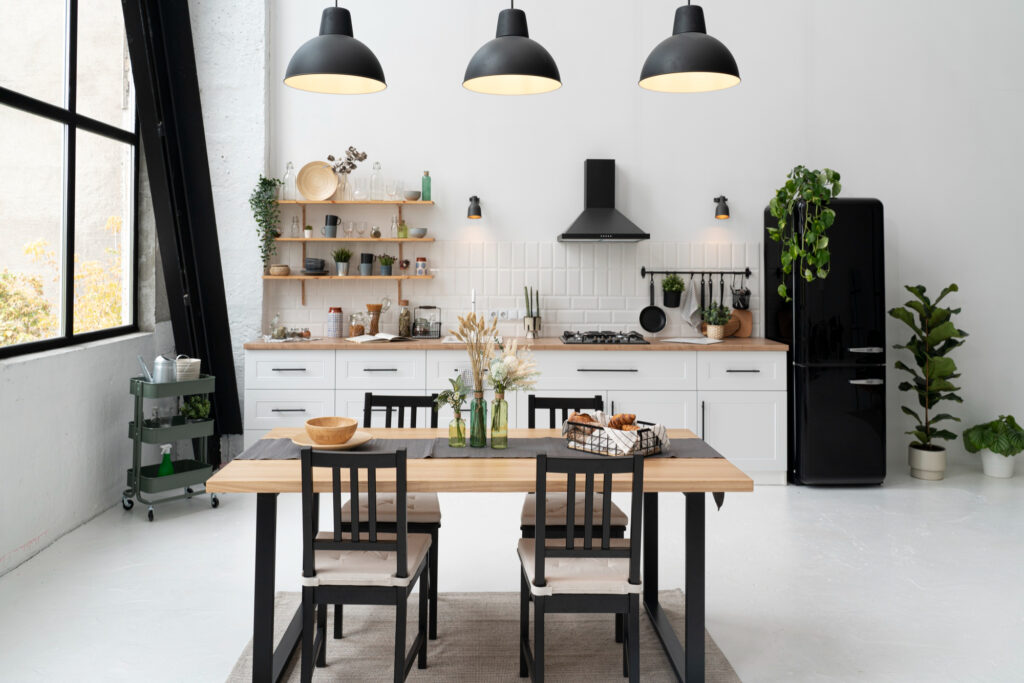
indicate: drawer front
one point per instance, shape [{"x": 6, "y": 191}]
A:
[
  {"x": 445, "y": 365},
  {"x": 603, "y": 370},
  {"x": 289, "y": 369},
  {"x": 265, "y": 409},
  {"x": 741, "y": 371},
  {"x": 381, "y": 370}
]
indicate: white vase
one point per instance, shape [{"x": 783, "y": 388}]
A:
[
  {"x": 995, "y": 465},
  {"x": 927, "y": 463}
]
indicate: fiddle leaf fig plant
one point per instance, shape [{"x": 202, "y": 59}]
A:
[
  {"x": 263, "y": 202},
  {"x": 801, "y": 209},
  {"x": 934, "y": 336}
]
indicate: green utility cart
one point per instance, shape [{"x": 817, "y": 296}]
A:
[{"x": 187, "y": 473}]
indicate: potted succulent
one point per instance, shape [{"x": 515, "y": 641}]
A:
[
  {"x": 454, "y": 398},
  {"x": 716, "y": 318},
  {"x": 672, "y": 290},
  {"x": 341, "y": 259},
  {"x": 934, "y": 337},
  {"x": 386, "y": 262},
  {"x": 998, "y": 441},
  {"x": 196, "y": 408},
  {"x": 263, "y": 202}
]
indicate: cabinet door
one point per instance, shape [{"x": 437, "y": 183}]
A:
[
  {"x": 543, "y": 416},
  {"x": 350, "y": 404},
  {"x": 748, "y": 428},
  {"x": 674, "y": 409}
]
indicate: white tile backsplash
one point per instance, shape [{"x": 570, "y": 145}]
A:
[{"x": 583, "y": 286}]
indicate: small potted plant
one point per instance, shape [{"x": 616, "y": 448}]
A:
[
  {"x": 672, "y": 290},
  {"x": 341, "y": 259},
  {"x": 716, "y": 318},
  {"x": 196, "y": 408},
  {"x": 934, "y": 336},
  {"x": 454, "y": 398},
  {"x": 386, "y": 262},
  {"x": 998, "y": 441}
]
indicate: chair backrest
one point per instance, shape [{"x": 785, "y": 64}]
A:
[
  {"x": 535, "y": 403},
  {"x": 351, "y": 538},
  {"x": 398, "y": 404},
  {"x": 590, "y": 467}
]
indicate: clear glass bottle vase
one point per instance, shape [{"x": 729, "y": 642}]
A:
[
  {"x": 499, "y": 421},
  {"x": 478, "y": 421},
  {"x": 457, "y": 432}
]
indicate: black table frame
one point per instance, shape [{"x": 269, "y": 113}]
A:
[{"x": 268, "y": 662}]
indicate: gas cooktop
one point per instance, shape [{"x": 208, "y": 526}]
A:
[{"x": 602, "y": 337}]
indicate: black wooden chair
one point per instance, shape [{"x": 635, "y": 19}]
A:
[
  {"x": 582, "y": 575},
  {"x": 423, "y": 510},
  {"x": 347, "y": 565}
]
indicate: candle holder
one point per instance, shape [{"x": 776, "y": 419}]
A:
[{"x": 532, "y": 324}]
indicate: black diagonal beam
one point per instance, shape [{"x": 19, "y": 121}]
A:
[{"x": 174, "y": 140}]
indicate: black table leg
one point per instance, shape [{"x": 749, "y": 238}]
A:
[
  {"x": 267, "y": 662},
  {"x": 687, "y": 663}
]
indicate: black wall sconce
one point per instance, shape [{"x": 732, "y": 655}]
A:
[
  {"x": 474, "y": 208},
  {"x": 722, "y": 208}
]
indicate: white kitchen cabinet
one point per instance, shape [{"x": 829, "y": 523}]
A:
[
  {"x": 269, "y": 408},
  {"x": 748, "y": 428},
  {"x": 381, "y": 371},
  {"x": 606, "y": 370},
  {"x": 349, "y": 403},
  {"x": 289, "y": 369},
  {"x": 741, "y": 371},
  {"x": 674, "y": 409}
]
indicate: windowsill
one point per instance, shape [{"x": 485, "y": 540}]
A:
[{"x": 84, "y": 346}]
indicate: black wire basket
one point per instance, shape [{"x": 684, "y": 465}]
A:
[{"x": 590, "y": 437}]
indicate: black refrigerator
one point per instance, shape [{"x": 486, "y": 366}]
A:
[{"x": 835, "y": 329}]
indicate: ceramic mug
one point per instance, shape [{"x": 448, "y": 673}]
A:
[
  {"x": 366, "y": 269},
  {"x": 329, "y": 230}
]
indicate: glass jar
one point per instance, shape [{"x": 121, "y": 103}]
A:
[
  {"x": 356, "y": 325},
  {"x": 457, "y": 431},
  {"x": 375, "y": 232},
  {"x": 499, "y": 421},
  {"x": 425, "y": 185},
  {"x": 403, "y": 229},
  {"x": 288, "y": 192},
  {"x": 405, "y": 321},
  {"x": 478, "y": 421},
  {"x": 296, "y": 227},
  {"x": 394, "y": 226},
  {"x": 377, "y": 192}
]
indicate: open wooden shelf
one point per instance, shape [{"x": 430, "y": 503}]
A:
[
  {"x": 358, "y": 202},
  {"x": 348, "y": 277},
  {"x": 355, "y": 239}
]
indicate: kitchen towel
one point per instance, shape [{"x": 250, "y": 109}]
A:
[
  {"x": 690, "y": 306},
  {"x": 285, "y": 449}
]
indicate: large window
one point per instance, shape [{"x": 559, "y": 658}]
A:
[{"x": 68, "y": 175}]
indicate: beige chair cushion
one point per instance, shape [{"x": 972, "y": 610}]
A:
[
  {"x": 591, "y": 575},
  {"x": 556, "y": 511},
  {"x": 422, "y": 508},
  {"x": 366, "y": 567}
]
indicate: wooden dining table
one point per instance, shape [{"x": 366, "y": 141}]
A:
[{"x": 477, "y": 473}]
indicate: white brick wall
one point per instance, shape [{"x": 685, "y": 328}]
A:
[{"x": 583, "y": 286}]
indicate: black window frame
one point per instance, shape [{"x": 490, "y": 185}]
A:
[{"x": 73, "y": 122}]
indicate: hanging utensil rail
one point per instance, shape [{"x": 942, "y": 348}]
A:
[{"x": 746, "y": 272}]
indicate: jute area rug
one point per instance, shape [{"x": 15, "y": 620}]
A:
[{"x": 478, "y": 641}]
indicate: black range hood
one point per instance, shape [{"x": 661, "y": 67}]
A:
[{"x": 600, "y": 220}]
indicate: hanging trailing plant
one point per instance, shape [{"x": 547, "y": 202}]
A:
[
  {"x": 263, "y": 202},
  {"x": 801, "y": 208}
]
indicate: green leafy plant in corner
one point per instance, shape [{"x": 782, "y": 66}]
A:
[
  {"x": 454, "y": 397},
  {"x": 341, "y": 255},
  {"x": 196, "y": 407},
  {"x": 1003, "y": 436},
  {"x": 386, "y": 259},
  {"x": 263, "y": 202},
  {"x": 672, "y": 283},
  {"x": 716, "y": 315},
  {"x": 801, "y": 209},
  {"x": 934, "y": 336}
]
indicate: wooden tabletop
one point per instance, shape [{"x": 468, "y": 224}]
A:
[
  {"x": 479, "y": 474},
  {"x": 543, "y": 344}
]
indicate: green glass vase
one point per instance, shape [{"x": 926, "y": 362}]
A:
[
  {"x": 499, "y": 422},
  {"x": 478, "y": 421},
  {"x": 457, "y": 432}
]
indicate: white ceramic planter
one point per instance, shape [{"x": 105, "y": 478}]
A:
[
  {"x": 927, "y": 464},
  {"x": 995, "y": 465}
]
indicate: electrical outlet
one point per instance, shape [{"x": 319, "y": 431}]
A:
[{"x": 503, "y": 314}]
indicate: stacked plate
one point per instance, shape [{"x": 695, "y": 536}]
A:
[{"x": 317, "y": 181}]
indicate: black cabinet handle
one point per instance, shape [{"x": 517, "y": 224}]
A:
[
  {"x": 380, "y": 369},
  {"x": 702, "y": 434},
  {"x": 866, "y": 349},
  {"x": 606, "y": 370},
  {"x": 288, "y": 369},
  {"x": 743, "y": 371},
  {"x": 867, "y": 382},
  {"x": 287, "y": 410}
]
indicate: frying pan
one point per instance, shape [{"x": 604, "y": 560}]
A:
[{"x": 652, "y": 318}]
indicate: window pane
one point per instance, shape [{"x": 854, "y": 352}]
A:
[
  {"x": 104, "y": 185},
  {"x": 32, "y": 36},
  {"x": 32, "y": 217},
  {"x": 104, "y": 69}
]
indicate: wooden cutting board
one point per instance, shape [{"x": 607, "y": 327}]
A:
[{"x": 746, "y": 319}]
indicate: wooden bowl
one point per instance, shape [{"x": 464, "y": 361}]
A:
[
  {"x": 330, "y": 431},
  {"x": 279, "y": 269}
]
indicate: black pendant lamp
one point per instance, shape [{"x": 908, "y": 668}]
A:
[
  {"x": 334, "y": 62},
  {"x": 474, "y": 208},
  {"x": 512, "y": 64},
  {"x": 722, "y": 207},
  {"x": 690, "y": 60}
]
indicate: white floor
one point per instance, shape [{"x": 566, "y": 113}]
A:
[{"x": 914, "y": 581}]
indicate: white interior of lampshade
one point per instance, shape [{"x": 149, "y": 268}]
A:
[
  {"x": 512, "y": 84},
  {"x": 690, "y": 81},
  {"x": 335, "y": 84}
]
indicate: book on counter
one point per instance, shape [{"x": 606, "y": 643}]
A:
[{"x": 379, "y": 337}]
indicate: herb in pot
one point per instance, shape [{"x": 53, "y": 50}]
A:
[
  {"x": 716, "y": 315},
  {"x": 386, "y": 260},
  {"x": 672, "y": 290},
  {"x": 341, "y": 255}
]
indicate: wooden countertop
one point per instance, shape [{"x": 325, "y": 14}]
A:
[
  {"x": 543, "y": 344},
  {"x": 481, "y": 475}
]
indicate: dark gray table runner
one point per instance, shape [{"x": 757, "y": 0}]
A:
[{"x": 285, "y": 449}]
